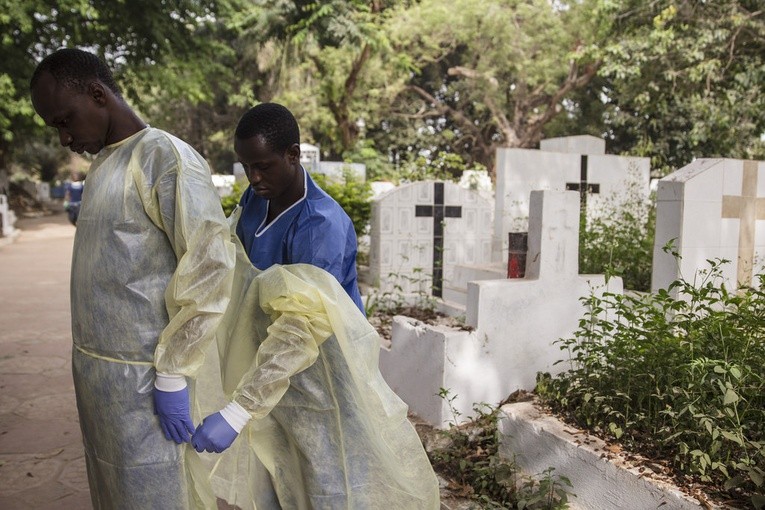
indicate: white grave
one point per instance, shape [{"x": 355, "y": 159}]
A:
[
  {"x": 43, "y": 192},
  {"x": 421, "y": 226},
  {"x": 224, "y": 184},
  {"x": 578, "y": 144},
  {"x": 577, "y": 163},
  {"x": 712, "y": 208},
  {"x": 239, "y": 176},
  {"x": 517, "y": 323},
  {"x": 336, "y": 170},
  {"x": 477, "y": 180},
  {"x": 7, "y": 218},
  {"x": 309, "y": 157}
]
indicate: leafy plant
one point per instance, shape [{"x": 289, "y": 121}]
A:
[
  {"x": 230, "y": 201},
  {"x": 353, "y": 195},
  {"x": 470, "y": 460},
  {"x": 618, "y": 240},
  {"x": 677, "y": 375}
]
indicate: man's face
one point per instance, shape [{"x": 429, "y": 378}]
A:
[
  {"x": 271, "y": 174},
  {"x": 81, "y": 118}
]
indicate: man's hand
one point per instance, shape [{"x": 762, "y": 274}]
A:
[
  {"x": 172, "y": 408},
  {"x": 214, "y": 435}
]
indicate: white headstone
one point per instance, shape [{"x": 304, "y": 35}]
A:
[
  {"x": 224, "y": 184},
  {"x": 580, "y": 144},
  {"x": 380, "y": 187},
  {"x": 423, "y": 225},
  {"x": 336, "y": 169},
  {"x": 239, "y": 175},
  {"x": 712, "y": 208},
  {"x": 477, "y": 180},
  {"x": 598, "y": 178},
  {"x": 309, "y": 157},
  {"x": 516, "y": 321},
  {"x": 7, "y": 217},
  {"x": 43, "y": 192}
]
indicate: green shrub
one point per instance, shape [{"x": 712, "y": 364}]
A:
[
  {"x": 445, "y": 166},
  {"x": 679, "y": 378},
  {"x": 470, "y": 461},
  {"x": 353, "y": 195},
  {"x": 619, "y": 240},
  {"x": 230, "y": 201}
]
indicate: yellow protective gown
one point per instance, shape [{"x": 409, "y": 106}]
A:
[
  {"x": 297, "y": 353},
  {"x": 151, "y": 278}
]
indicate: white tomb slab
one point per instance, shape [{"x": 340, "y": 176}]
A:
[
  {"x": 336, "y": 170},
  {"x": 516, "y": 321},
  {"x": 7, "y": 217},
  {"x": 43, "y": 192},
  {"x": 579, "y": 144},
  {"x": 420, "y": 227},
  {"x": 309, "y": 157},
  {"x": 712, "y": 209},
  {"x": 380, "y": 187},
  {"x": 224, "y": 184},
  {"x": 597, "y": 176},
  {"x": 239, "y": 175},
  {"x": 477, "y": 180}
]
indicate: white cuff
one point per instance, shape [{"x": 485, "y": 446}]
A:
[
  {"x": 236, "y": 416},
  {"x": 167, "y": 382}
]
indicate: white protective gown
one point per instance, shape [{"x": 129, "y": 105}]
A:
[
  {"x": 151, "y": 278},
  {"x": 297, "y": 353}
]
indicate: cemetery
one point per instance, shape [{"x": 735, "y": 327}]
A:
[
  {"x": 559, "y": 210},
  {"x": 484, "y": 299},
  {"x": 513, "y": 329}
]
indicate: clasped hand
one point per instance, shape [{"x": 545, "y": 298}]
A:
[{"x": 213, "y": 435}]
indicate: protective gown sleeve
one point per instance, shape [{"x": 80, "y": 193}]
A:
[
  {"x": 299, "y": 326},
  {"x": 183, "y": 202}
]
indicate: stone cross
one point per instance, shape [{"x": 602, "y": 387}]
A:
[
  {"x": 439, "y": 212},
  {"x": 747, "y": 208},
  {"x": 583, "y": 187}
]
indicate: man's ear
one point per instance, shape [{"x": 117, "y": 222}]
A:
[
  {"x": 98, "y": 93},
  {"x": 293, "y": 153}
]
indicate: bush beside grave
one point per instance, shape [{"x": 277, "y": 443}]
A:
[
  {"x": 619, "y": 240},
  {"x": 678, "y": 379}
]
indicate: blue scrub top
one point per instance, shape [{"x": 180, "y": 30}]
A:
[
  {"x": 75, "y": 190},
  {"x": 314, "y": 230}
]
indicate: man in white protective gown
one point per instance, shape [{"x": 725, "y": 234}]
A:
[
  {"x": 299, "y": 365},
  {"x": 151, "y": 278}
]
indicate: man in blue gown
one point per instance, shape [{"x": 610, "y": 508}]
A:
[{"x": 285, "y": 217}]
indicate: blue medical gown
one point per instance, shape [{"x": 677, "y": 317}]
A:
[{"x": 315, "y": 230}]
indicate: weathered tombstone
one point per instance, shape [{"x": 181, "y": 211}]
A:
[
  {"x": 337, "y": 169},
  {"x": 421, "y": 230},
  {"x": 239, "y": 176},
  {"x": 576, "y": 163},
  {"x": 43, "y": 192},
  {"x": 7, "y": 218},
  {"x": 224, "y": 184},
  {"x": 712, "y": 209},
  {"x": 516, "y": 321},
  {"x": 476, "y": 179},
  {"x": 309, "y": 157}
]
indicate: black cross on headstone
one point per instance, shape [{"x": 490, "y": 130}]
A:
[
  {"x": 438, "y": 211},
  {"x": 583, "y": 187}
]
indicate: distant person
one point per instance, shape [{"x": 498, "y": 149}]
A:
[
  {"x": 285, "y": 217},
  {"x": 73, "y": 196},
  {"x": 151, "y": 277}
]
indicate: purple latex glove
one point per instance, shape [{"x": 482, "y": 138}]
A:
[
  {"x": 172, "y": 408},
  {"x": 214, "y": 434}
]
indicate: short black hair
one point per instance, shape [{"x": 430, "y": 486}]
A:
[
  {"x": 273, "y": 122},
  {"x": 75, "y": 69}
]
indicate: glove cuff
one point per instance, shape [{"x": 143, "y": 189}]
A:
[
  {"x": 236, "y": 416},
  {"x": 167, "y": 382}
]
